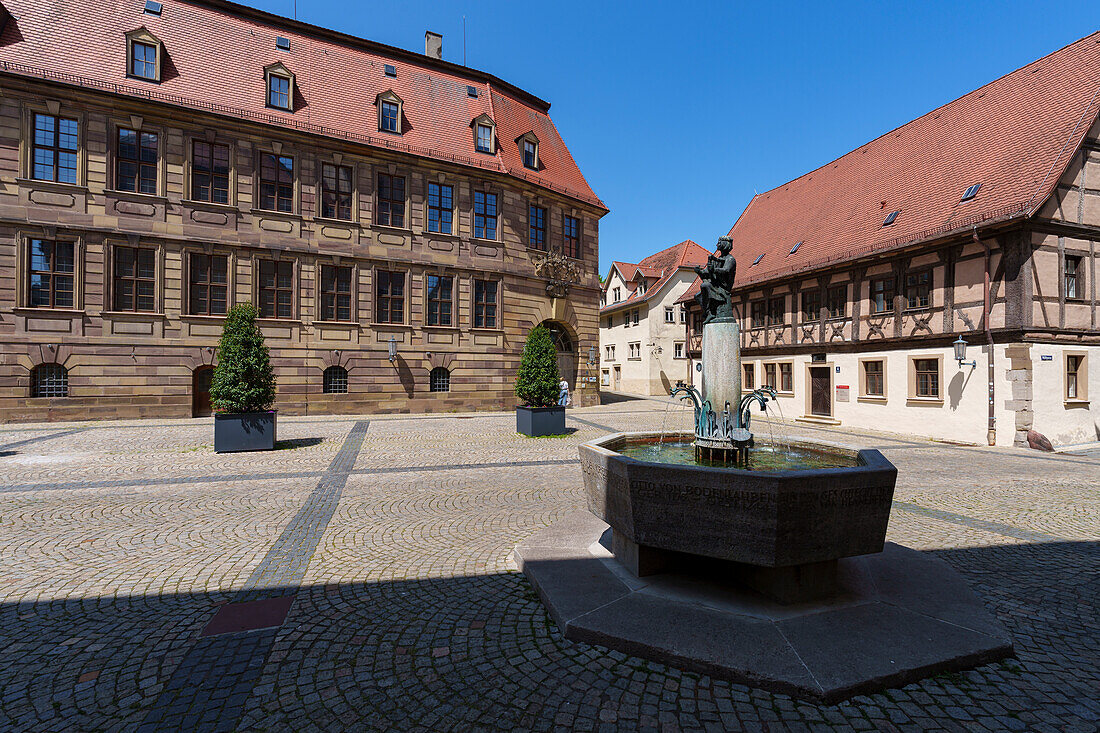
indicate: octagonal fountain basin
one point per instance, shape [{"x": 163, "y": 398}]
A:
[{"x": 780, "y": 523}]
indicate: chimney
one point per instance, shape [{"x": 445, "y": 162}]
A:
[{"x": 433, "y": 45}]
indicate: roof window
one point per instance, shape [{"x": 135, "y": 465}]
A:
[
  {"x": 152, "y": 7},
  {"x": 795, "y": 247},
  {"x": 890, "y": 218},
  {"x": 757, "y": 260},
  {"x": 390, "y": 70},
  {"x": 282, "y": 43},
  {"x": 471, "y": 92},
  {"x": 971, "y": 192}
]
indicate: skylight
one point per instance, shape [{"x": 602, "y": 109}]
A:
[
  {"x": 757, "y": 260},
  {"x": 890, "y": 219},
  {"x": 283, "y": 43},
  {"x": 152, "y": 7},
  {"x": 390, "y": 70},
  {"x": 971, "y": 192},
  {"x": 471, "y": 92},
  {"x": 795, "y": 247}
]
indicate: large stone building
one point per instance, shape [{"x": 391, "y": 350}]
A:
[
  {"x": 400, "y": 221},
  {"x": 979, "y": 221},
  {"x": 642, "y": 345}
]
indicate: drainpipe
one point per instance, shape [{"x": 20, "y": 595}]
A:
[{"x": 991, "y": 433}]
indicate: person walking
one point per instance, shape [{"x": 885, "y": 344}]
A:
[{"x": 563, "y": 393}]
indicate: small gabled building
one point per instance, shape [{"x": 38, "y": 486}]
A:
[
  {"x": 940, "y": 280},
  {"x": 642, "y": 342}
]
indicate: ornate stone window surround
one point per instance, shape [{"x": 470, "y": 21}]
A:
[
  {"x": 295, "y": 284},
  {"x": 211, "y": 137},
  {"x": 23, "y": 270},
  {"x": 26, "y": 143},
  {"x": 337, "y": 159},
  {"x": 139, "y": 125},
  {"x": 132, "y": 242},
  {"x": 279, "y": 150},
  {"x": 185, "y": 275}
]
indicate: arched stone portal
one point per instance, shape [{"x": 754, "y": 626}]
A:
[{"x": 566, "y": 346}]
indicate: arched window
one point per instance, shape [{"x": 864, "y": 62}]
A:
[
  {"x": 336, "y": 380},
  {"x": 49, "y": 380},
  {"x": 440, "y": 380}
]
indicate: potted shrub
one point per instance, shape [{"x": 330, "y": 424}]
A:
[
  {"x": 243, "y": 387},
  {"x": 537, "y": 387}
]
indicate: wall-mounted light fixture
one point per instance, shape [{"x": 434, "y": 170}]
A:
[
  {"x": 592, "y": 354},
  {"x": 393, "y": 349},
  {"x": 960, "y": 353}
]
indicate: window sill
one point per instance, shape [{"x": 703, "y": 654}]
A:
[
  {"x": 634, "y": 358},
  {"x": 484, "y": 240},
  {"x": 445, "y": 235},
  {"x": 210, "y": 205},
  {"x": 400, "y": 326},
  {"x": 486, "y": 329},
  {"x": 426, "y": 327},
  {"x": 781, "y": 393},
  {"x": 930, "y": 401},
  {"x": 52, "y": 185},
  {"x": 43, "y": 311},
  {"x": 1076, "y": 403},
  {"x": 132, "y": 314},
  {"x": 338, "y": 324},
  {"x": 278, "y": 214},
  {"x": 279, "y": 321},
  {"x": 921, "y": 309},
  {"x": 151, "y": 198},
  {"x": 388, "y": 228},
  {"x": 336, "y": 222},
  {"x": 202, "y": 317},
  {"x": 874, "y": 399}
]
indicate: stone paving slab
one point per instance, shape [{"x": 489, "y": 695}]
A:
[{"x": 120, "y": 542}]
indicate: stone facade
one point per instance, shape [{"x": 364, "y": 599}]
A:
[{"x": 137, "y": 363}]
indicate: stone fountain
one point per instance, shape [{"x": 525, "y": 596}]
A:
[{"x": 762, "y": 563}]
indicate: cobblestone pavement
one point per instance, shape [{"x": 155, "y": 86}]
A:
[{"x": 380, "y": 551}]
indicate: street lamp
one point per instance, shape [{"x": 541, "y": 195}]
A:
[
  {"x": 393, "y": 349},
  {"x": 960, "y": 353}
]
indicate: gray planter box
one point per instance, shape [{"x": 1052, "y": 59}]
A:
[
  {"x": 536, "y": 422},
  {"x": 244, "y": 431}
]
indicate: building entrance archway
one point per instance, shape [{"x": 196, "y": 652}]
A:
[
  {"x": 566, "y": 347},
  {"x": 200, "y": 391}
]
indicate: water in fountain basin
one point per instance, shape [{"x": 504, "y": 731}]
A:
[
  {"x": 762, "y": 457},
  {"x": 782, "y": 431}
]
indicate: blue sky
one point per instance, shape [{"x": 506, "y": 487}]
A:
[{"x": 678, "y": 112}]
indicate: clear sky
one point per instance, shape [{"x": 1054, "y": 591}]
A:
[{"x": 678, "y": 112}]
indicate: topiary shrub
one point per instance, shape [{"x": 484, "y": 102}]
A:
[
  {"x": 243, "y": 379},
  {"x": 538, "y": 378}
]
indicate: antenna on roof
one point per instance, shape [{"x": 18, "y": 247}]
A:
[
  {"x": 463, "y": 40},
  {"x": 295, "y": 9}
]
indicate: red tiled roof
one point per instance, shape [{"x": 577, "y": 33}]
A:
[
  {"x": 216, "y": 53},
  {"x": 1014, "y": 136},
  {"x": 660, "y": 266}
]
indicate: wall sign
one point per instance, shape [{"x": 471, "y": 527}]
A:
[
  {"x": 838, "y": 370},
  {"x": 1047, "y": 357},
  {"x": 842, "y": 393}
]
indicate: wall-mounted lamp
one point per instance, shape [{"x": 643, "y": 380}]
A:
[
  {"x": 592, "y": 354},
  {"x": 393, "y": 349},
  {"x": 960, "y": 354}
]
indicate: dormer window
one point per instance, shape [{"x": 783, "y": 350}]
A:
[
  {"x": 143, "y": 52},
  {"x": 484, "y": 134},
  {"x": 280, "y": 87},
  {"x": 389, "y": 112},
  {"x": 529, "y": 150}
]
